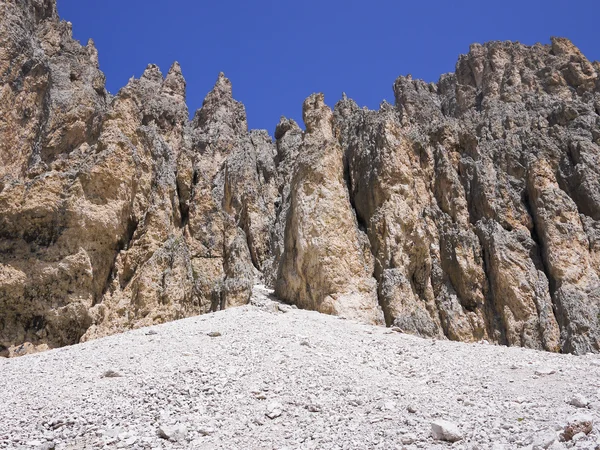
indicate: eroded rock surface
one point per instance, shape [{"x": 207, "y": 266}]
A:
[
  {"x": 326, "y": 264},
  {"x": 469, "y": 210}
]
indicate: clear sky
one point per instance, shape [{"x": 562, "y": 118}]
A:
[{"x": 276, "y": 53}]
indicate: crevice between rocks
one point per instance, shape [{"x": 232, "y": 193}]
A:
[
  {"x": 541, "y": 254},
  {"x": 123, "y": 244},
  {"x": 494, "y": 320},
  {"x": 363, "y": 228},
  {"x": 184, "y": 209}
]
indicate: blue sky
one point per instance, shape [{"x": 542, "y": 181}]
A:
[{"x": 276, "y": 53}]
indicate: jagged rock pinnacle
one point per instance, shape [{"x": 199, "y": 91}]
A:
[
  {"x": 153, "y": 73},
  {"x": 469, "y": 210},
  {"x": 174, "y": 83},
  {"x": 317, "y": 116},
  {"x": 222, "y": 86}
]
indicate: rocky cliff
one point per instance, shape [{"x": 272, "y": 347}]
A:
[{"x": 470, "y": 209}]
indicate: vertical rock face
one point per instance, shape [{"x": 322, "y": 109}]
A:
[
  {"x": 469, "y": 210},
  {"x": 52, "y": 104},
  {"x": 112, "y": 210},
  {"x": 326, "y": 263}
]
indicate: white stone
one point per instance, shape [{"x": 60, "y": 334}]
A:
[
  {"x": 388, "y": 406},
  {"x": 274, "y": 410},
  {"x": 544, "y": 439},
  {"x": 442, "y": 430},
  {"x": 580, "y": 418},
  {"x": 173, "y": 433},
  {"x": 408, "y": 438},
  {"x": 578, "y": 437}
]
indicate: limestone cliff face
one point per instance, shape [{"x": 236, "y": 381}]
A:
[
  {"x": 326, "y": 263},
  {"x": 470, "y": 209},
  {"x": 113, "y": 210}
]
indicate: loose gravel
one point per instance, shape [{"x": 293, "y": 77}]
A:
[{"x": 269, "y": 376}]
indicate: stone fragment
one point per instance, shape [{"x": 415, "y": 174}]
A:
[
  {"x": 442, "y": 430},
  {"x": 578, "y": 423},
  {"x": 579, "y": 401},
  {"x": 408, "y": 438},
  {"x": 544, "y": 439},
  {"x": 206, "y": 431},
  {"x": 111, "y": 374},
  {"x": 175, "y": 433},
  {"x": 274, "y": 410},
  {"x": 556, "y": 445},
  {"x": 314, "y": 408}
]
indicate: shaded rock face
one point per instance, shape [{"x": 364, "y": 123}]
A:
[{"x": 468, "y": 210}]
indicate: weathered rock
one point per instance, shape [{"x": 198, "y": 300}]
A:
[
  {"x": 97, "y": 234},
  {"x": 579, "y": 401},
  {"x": 544, "y": 371},
  {"x": 454, "y": 189},
  {"x": 274, "y": 410},
  {"x": 544, "y": 439},
  {"x": 326, "y": 261},
  {"x": 52, "y": 102},
  {"x": 445, "y": 431},
  {"x": 470, "y": 209},
  {"x": 175, "y": 433},
  {"x": 578, "y": 423}
]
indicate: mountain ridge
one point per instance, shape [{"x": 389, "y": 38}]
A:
[{"x": 467, "y": 210}]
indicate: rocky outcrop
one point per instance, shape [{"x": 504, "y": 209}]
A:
[
  {"x": 467, "y": 191},
  {"x": 469, "y": 209},
  {"x": 112, "y": 210},
  {"x": 326, "y": 263}
]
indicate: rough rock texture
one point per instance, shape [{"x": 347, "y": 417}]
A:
[
  {"x": 470, "y": 209},
  {"x": 326, "y": 263},
  {"x": 478, "y": 195},
  {"x": 116, "y": 212}
]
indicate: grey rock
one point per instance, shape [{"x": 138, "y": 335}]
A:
[
  {"x": 443, "y": 430},
  {"x": 111, "y": 374},
  {"x": 544, "y": 371},
  {"x": 214, "y": 334},
  {"x": 579, "y": 401},
  {"x": 206, "y": 431},
  {"x": 408, "y": 438},
  {"x": 175, "y": 433}
]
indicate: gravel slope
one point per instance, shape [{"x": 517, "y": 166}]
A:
[{"x": 325, "y": 382}]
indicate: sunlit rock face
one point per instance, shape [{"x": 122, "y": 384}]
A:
[{"x": 469, "y": 210}]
